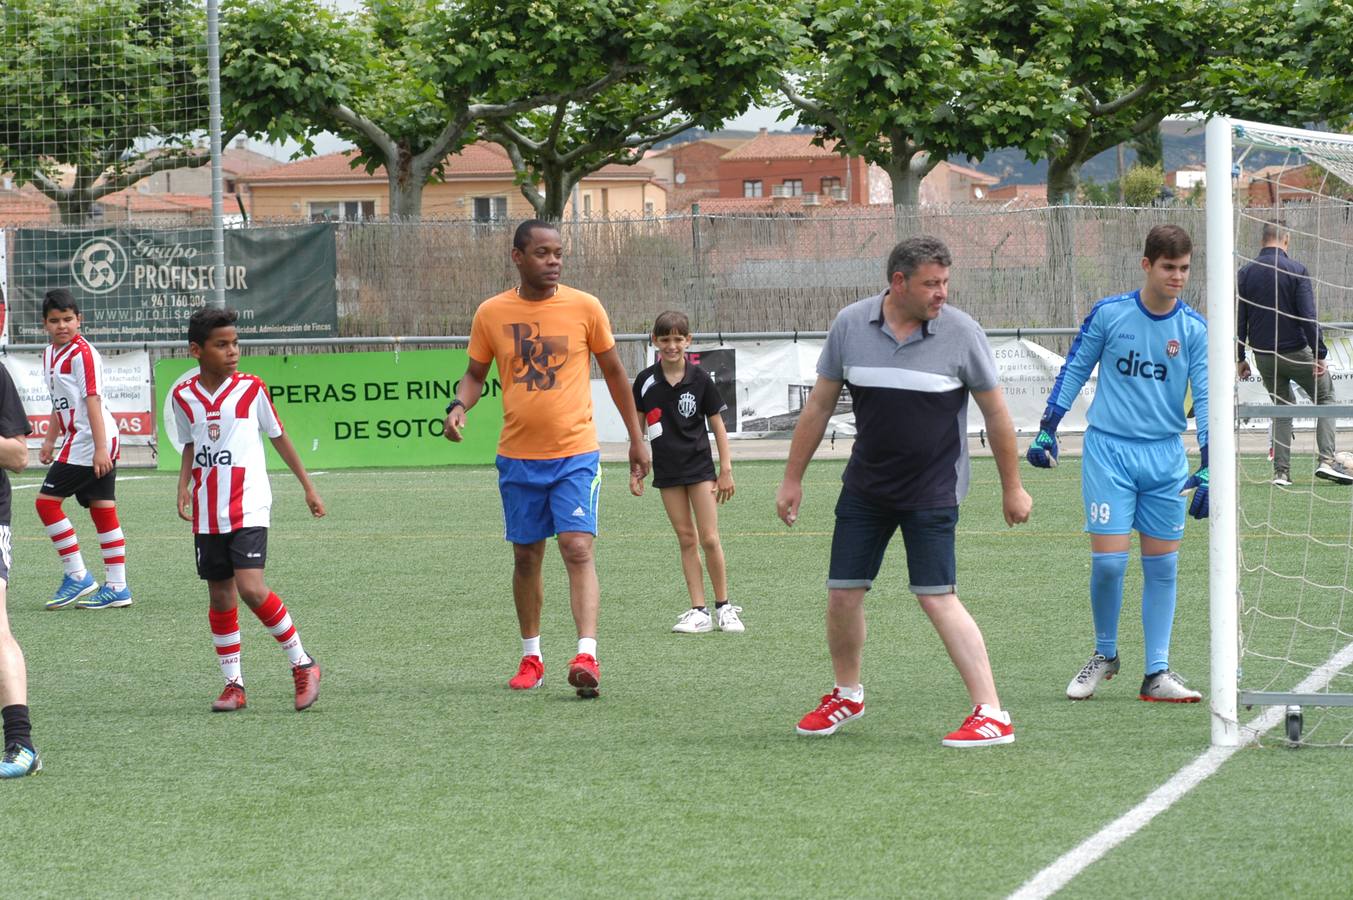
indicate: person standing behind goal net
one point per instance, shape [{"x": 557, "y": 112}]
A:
[{"x": 1277, "y": 318}]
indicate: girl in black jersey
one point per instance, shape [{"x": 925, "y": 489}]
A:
[{"x": 677, "y": 399}]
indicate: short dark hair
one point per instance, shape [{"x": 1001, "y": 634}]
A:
[
  {"x": 525, "y": 229},
  {"x": 914, "y": 252},
  {"x": 671, "y": 321},
  {"x": 59, "y": 298},
  {"x": 1272, "y": 233},
  {"x": 1169, "y": 241},
  {"x": 208, "y": 319}
]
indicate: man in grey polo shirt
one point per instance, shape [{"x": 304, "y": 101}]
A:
[{"x": 910, "y": 363}]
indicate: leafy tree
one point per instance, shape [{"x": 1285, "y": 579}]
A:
[
  {"x": 407, "y": 81},
  {"x": 1126, "y": 64},
  {"x": 1095, "y": 194},
  {"x": 690, "y": 63},
  {"x": 110, "y": 90},
  {"x": 1150, "y": 147},
  {"x": 1142, "y": 184},
  {"x": 906, "y": 83},
  {"x": 1287, "y": 65}
]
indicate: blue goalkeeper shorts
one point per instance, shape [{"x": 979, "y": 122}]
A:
[
  {"x": 544, "y": 497},
  {"x": 1130, "y": 485}
]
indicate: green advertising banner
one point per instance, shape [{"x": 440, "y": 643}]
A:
[
  {"x": 344, "y": 410},
  {"x": 141, "y": 284}
]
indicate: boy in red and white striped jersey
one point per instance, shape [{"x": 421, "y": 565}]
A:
[
  {"x": 221, "y": 415},
  {"x": 86, "y": 463}
]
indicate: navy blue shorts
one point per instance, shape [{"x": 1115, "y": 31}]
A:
[{"x": 863, "y": 531}]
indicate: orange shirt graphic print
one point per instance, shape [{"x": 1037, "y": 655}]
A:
[{"x": 536, "y": 358}]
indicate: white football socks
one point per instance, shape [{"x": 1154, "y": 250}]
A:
[{"x": 853, "y": 694}]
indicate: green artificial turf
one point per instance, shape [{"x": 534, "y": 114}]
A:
[{"x": 418, "y": 773}]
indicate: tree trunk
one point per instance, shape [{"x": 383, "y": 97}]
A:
[
  {"x": 406, "y": 187},
  {"x": 907, "y": 170},
  {"x": 906, "y": 182},
  {"x": 550, "y": 200},
  {"x": 1064, "y": 177}
]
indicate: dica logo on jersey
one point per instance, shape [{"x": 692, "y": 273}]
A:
[
  {"x": 207, "y": 457},
  {"x": 99, "y": 265},
  {"x": 1135, "y": 366}
]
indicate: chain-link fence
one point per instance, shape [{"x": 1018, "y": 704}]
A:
[
  {"x": 1013, "y": 268},
  {"x": 1016, "y": 268}
]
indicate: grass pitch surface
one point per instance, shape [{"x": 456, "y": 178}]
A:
[{"x": 418, "y": 773}]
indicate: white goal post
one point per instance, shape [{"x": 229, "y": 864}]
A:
[{"x": 1309, "y": 671}]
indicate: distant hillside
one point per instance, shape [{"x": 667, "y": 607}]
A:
[{"x": 1183, "y": 144}]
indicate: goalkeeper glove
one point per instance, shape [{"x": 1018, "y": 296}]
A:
[
  {"x": 1042, "y": 452},
  {"x": 1198, "y": 483}
]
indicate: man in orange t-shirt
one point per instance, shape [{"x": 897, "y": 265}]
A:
[{"x": 543, "y": 335}]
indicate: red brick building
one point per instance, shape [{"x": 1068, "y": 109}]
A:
[
  {"x": 790, "y": 165},
  {"x": 691, "y": 170}
]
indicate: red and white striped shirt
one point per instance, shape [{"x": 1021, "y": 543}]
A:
[
  {"x": 74, "y": 372},
  {"x": 230, "y": 475}
]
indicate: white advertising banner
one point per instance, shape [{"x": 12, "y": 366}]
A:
[
  {"x": 765, "y": 384},
  {"x": 126, "y": 392}
]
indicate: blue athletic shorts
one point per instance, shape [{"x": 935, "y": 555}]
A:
[
  {"x": 863, "y": 531},
  {"x": 543, "y": 497},
  {"x": 1134, "y": 485}
]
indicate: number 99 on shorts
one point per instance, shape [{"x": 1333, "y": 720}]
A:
[{"x": 1098, "y": 513}]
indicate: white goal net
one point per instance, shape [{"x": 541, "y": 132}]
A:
[{"x": 1282, "y": 535}]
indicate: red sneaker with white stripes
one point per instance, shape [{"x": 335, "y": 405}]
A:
[
  {"x": 981, "y": 730},
  {"x": 833, "y": 712},
  {"x": 584, "y": 674},
  {"x": 529, "y": 675}
]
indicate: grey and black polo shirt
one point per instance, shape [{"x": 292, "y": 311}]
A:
[{"x": 911, "y": 402}]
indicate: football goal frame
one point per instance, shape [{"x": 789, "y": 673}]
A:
[{"x": 1333, "y": 152}]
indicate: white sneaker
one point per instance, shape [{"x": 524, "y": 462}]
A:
[
  {"x": 1332, "y": 471},
  {"x": 1282, "y": 479},
  {"x": 694, "y": 621},
  {"x": 1167, "y": 687},
  {"x": 728, "y": 618},
  {"x": 1098, "y": 670}
]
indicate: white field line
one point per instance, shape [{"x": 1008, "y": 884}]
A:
[
  {"x": 121, "y": 478},
  {"x": 1073, "y": 862},
  {"x": 37, "y": 484}
]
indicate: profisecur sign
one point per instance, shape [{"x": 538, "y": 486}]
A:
[{"x": 141, "y": 284}]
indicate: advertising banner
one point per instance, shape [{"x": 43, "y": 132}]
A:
[
  {"x": 126, "y": 393},
  {"x": 771, "y": 381},
  {"x": 141, "y": 284},
  {"x": 344, "y": 410}
]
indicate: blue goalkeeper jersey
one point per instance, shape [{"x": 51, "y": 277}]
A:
[{"x": 1146, "y": 365}]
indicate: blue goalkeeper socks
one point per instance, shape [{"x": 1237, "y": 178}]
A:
[
  {"x": 1159, "y": 588},
  {"x": 1106, "y": 598}
]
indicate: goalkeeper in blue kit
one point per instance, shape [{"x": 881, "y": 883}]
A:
[{"x": 1150, "y": 347}]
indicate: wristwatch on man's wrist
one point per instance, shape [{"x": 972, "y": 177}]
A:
[{"x": 453, "y": 404}]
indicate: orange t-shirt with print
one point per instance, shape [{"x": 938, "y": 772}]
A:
[{"x": 543, "y": 349}]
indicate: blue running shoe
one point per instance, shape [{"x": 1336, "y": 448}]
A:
[
  {"x": 72, "y": 589},
  {"x": 19, "y": 761},
  {"x": 107, "y": 598}
]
